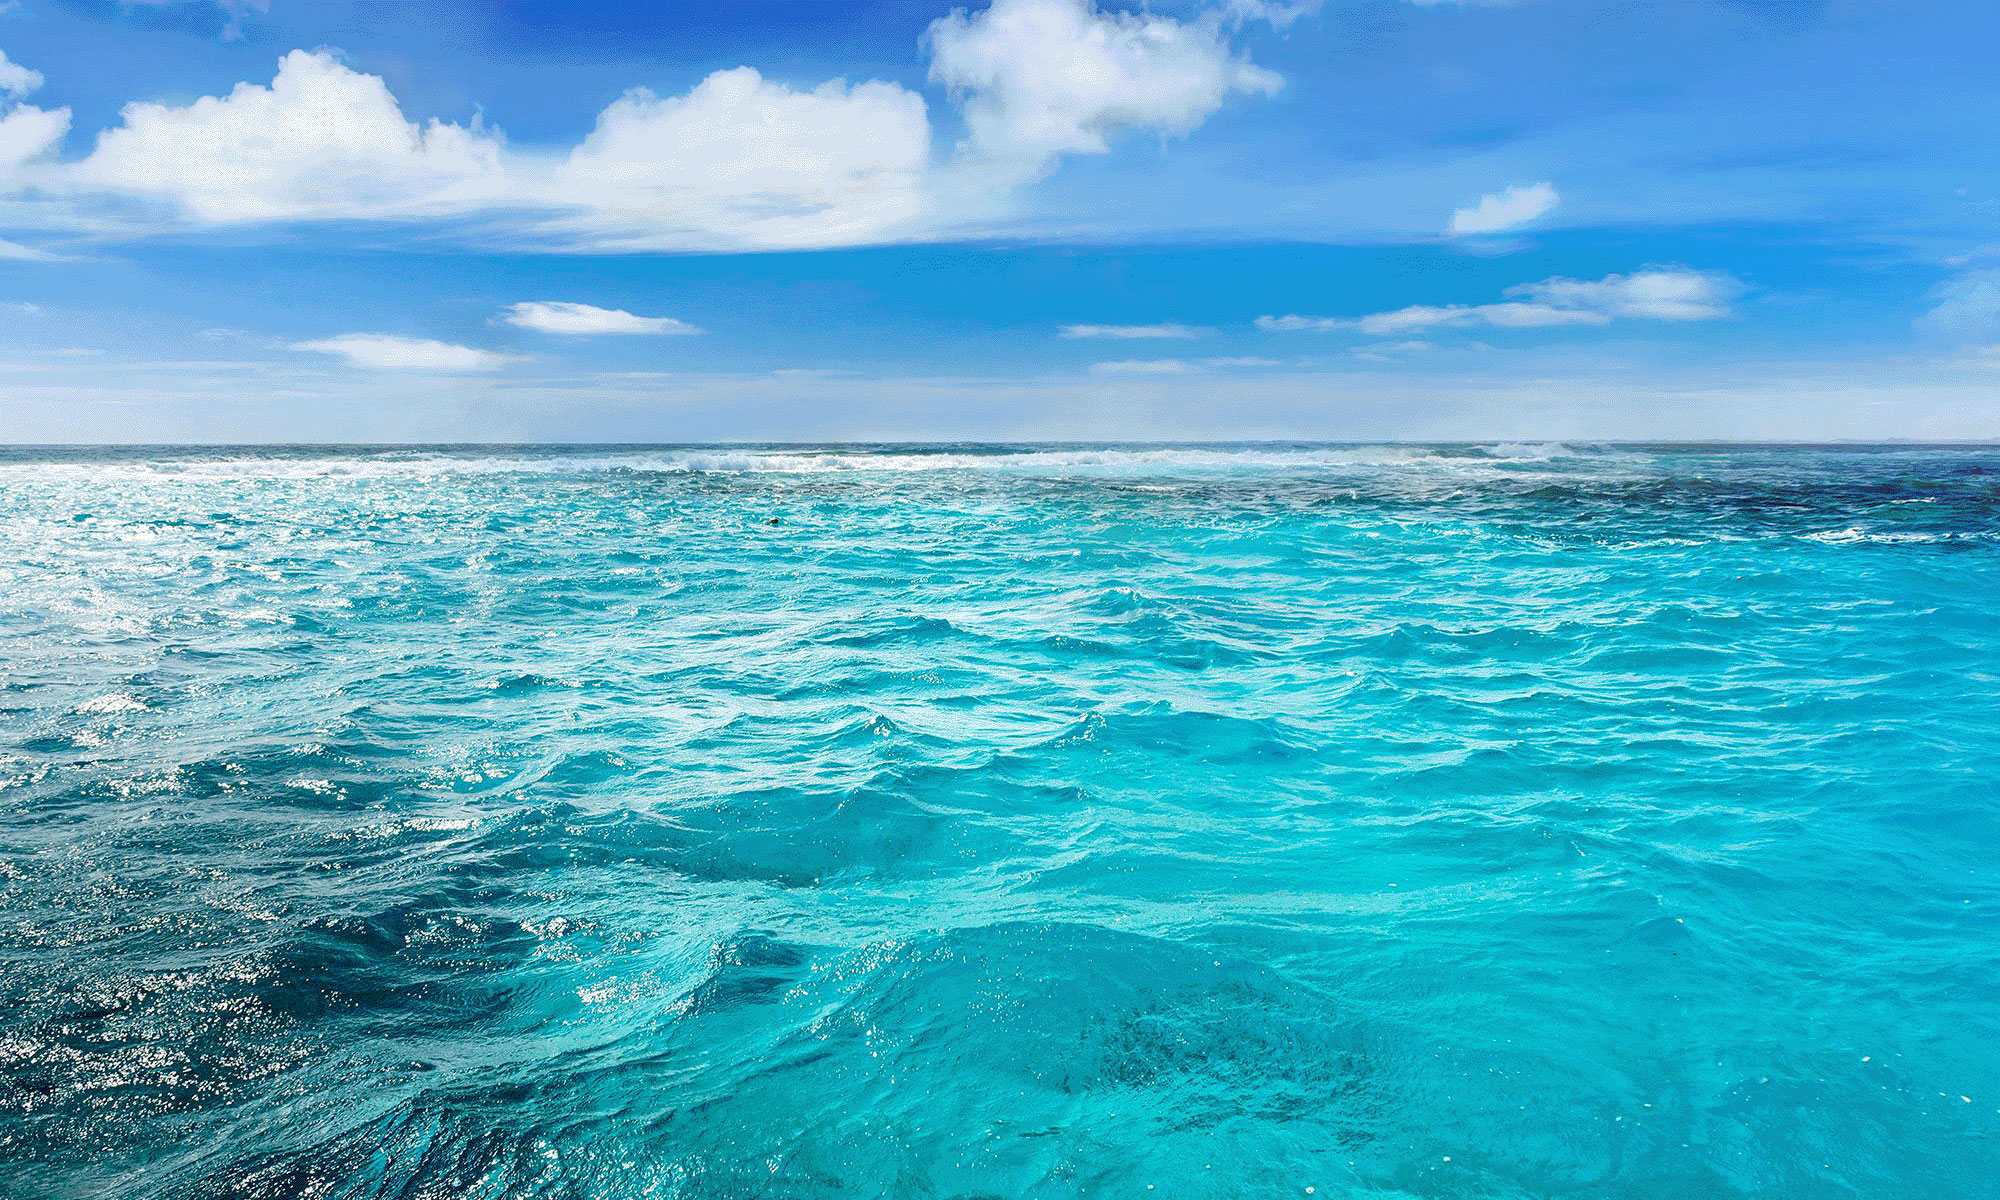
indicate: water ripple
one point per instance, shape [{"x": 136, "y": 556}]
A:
[{"x": 1040, "y": 821}]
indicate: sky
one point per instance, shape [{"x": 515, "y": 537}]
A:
[{"x": 487, "y": 220}]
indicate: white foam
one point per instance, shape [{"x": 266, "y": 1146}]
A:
[
  {"x": 397, "y": 464},
  {"x": 1889, "y": 537},
  {"x": 112, "y": 702}
]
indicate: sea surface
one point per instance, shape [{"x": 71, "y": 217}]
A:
[{"x": 1049, "y": 821}]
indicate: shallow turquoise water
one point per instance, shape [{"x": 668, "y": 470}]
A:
[{"x": 1361, "y": 821}]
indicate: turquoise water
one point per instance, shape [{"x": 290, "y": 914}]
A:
[{"x": 1508, "y": 821}]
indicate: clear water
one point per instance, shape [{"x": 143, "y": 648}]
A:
[{"x": 1036, "y": 822}]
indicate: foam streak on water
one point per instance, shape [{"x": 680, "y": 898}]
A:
[{"x": 1506, "y": 821}]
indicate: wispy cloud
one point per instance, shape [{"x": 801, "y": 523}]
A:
[
  {"x": 388, "y": 352},
  {"x": 1134, "y": 332},
  {"x": 1143, "y": 366},
  {"x": 1390, "y": 351},
  {"x": 16, "y": 252},
  {"x": 583, "y": 320},
  {"x": 1654, "y": 294},
  {"x": 1967, "y": 309},
  {"x": 235, "y": 10},
  {"x": 1497, "y": 212}
]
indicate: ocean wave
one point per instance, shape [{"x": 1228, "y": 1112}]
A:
[
  {"x": 1855, "y": 535},
  {"x": 1138, "y": 460}
]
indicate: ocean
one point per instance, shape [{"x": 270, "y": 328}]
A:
[{"x": 1496, "y": 822}]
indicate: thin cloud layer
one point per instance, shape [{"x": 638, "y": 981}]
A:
[
  {"x": 584, "y": 320},
  {"x": 1143, "y": 366},
  {"x": 388, "y": 352},
  {"x": 1967, "y": 310},
  {"x": 235, "y": 10},
  {"x": 1654, "y": 294},
  {"x": 1170, "y": 329}
]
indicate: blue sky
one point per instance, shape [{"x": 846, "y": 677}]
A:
[{"x": 1031, "y": 219}]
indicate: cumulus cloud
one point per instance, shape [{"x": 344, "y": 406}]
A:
[
  {"x": 27, "y": 133},
  {"x": 1142, "y": 366},
  {"x": 16, "y": 80},
  {"x": 1169, "y": 329},
  {"x": 388, "y": 352},
  {"x": 1654, "y": 294},
  {"x": 1497, "y": 212},
  {"x": 1044, "y": 78},
  {"x": 737, "y": 162},
  {"x": 566, "y": 317},
  {"x": 745, "y": 161},
  {"x": 321, "y": 141}
]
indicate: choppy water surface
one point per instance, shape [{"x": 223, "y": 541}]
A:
[{"x": 1392, "y": 822}]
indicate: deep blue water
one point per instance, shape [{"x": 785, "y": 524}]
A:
[{"x": 1497, "y": 822}]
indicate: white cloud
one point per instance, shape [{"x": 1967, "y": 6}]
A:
[
  {"x": 566, "y": 317},
  {"x": 388, "y": 352},
  {"x": 26, "y": 132},
  {"x": 23, "y": 308},
  {"x": 1387, "y": 351},
  {"x": 741, "y": 161},
  {"x": 1242, "y": 361},
  {"x": 1279, "y": 14},
  {"x": 1510, "y": 315},
  {"x": 1142, "y": 366},
  {"x": 1294, "y": 323},
  {"x": 16, "y": 80},
  {"x": 1044, "y": 78},
  {"x": 322, "y": 141},
  {"x": 1655, "y": 294},
  {"x": 16, "y": 252},
  {"x": 1133, "y": 332},
  {"x": 1499, "y": 211},
  {"x": 737, "y": 162}
]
